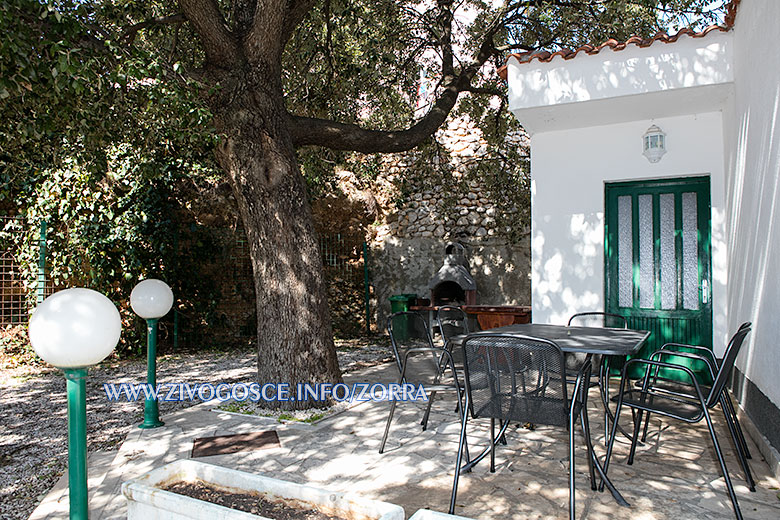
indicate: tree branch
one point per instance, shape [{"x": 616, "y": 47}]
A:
[
  {"x": 515, "y": 47},
  {"x": 296, "y": 12},
  {"x": 484, "y": 90},
  {"x": 307, "y": 131},
  {"x": 130, "y": 33},
  {"x": 209, "y": 24}
]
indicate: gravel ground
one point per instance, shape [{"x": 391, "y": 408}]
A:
[{"x": 33, "y": 442}]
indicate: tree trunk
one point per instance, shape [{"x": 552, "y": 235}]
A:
[{"x": 294, "y": 334}]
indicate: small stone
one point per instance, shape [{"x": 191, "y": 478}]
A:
[
  {"x": 463, "y": 221},
  {"x": 491, "y": 211},
  {"x": 426, "y": 234},
  {"x": 472, "y": 196},
  {"x": 481, "y": 232},
  {"x": 412, "y": 216},
  {"x": 439, "y": 231}
]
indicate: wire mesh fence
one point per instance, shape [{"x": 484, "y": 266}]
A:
[
  {"x": 229, "y": 274},
  {"x": 20, "y": 288},
  {"x": 13, "y": 286},
  {"x": 346, "y": 271}
]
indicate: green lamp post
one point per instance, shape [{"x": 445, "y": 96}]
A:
[
  {"x": 73, "y": 330},
  {"x": 151, "y": 299}
]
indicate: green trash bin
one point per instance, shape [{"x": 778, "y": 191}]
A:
[{"x": 400, "y": 303}]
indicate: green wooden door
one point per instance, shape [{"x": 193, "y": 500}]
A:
[{"x": 657, "y": 259}]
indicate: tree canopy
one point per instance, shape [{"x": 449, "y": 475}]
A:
[{"x": 86, "y": 73}]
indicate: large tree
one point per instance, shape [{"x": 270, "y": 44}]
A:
[{"x": 276, "y": 76}]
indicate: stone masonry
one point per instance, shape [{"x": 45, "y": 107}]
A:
[{"x": 408, "y": 242}]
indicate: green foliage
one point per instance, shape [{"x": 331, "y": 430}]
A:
[
  {"x": 96, "y": 140},
  {"x": 109, "y": 229},
  {"x": 364, "y": 52}
]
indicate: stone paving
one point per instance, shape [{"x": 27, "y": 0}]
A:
[{"x": 674, "y": 476}]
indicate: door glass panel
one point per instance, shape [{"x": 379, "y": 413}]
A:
[
  {"x": 690, "y": 256},
  {"x": 625, "y": 253},
  {"x": 646, "y": 265},
  {"x": 668, "y": 263}
]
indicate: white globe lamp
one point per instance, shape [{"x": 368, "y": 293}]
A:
[
  {"x": 151, "y": 299},
  {"x": 72, "y": 330}
]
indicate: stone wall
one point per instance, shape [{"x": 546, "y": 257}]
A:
[
  {"x": 408, "y": 241},
  {"x": 405, "y": 265}
]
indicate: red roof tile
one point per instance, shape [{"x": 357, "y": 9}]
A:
[{"x": 568, "y": 54}]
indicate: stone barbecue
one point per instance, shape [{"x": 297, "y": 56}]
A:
[{"x": 453, "y": 283}]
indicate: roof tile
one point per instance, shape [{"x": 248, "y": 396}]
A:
[{"x": 568, "y": 54}]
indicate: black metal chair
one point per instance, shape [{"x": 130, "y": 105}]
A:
[
  {"x": 420, "y": 363},
  {"x": 653, "y": 397},
  {"x": 707, "y": 359},
  {"x": 523, "y": 379},
  {"x": 452, "y": 322}
]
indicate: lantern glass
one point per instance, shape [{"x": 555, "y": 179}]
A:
[
  {"x": 75, "y": 328},
  {"x": 654, "y": 144},
  {"x": 151, "y": 299}
]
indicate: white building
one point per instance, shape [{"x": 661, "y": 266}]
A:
[{"x": 688, "y": 246}]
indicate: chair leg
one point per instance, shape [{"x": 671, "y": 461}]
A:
[
  {"x": 644, "y": 430},
  {"x": 460, "y": 408},
  {"x": 424, "y": 421},
  {"x": 740, "y": 454},
  {"x": 387, "y": 426},
  {"x": 741, "y": 436},
  {"x": 722, "y": 463},
  {"x": 492, "y": 445},
  {"x": 611, "y": 443},
  {"x": 635, "y": 436},
  {"x": 589, "y": 444},
  {"x": 571, "y": 467},
  {"x": 461, "y": 443}
]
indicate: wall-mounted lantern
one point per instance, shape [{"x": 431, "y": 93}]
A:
[{"x": 654, "y": 144}]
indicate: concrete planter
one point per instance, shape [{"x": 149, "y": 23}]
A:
[
  {"x": 427, "y": 514},
  {"x": 146, "y": 501}
]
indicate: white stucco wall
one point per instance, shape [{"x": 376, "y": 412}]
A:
[
  {"x": 569, "y": 169},
  {"x": 691, "y": 75},
  {"x": 753, "y": 138}
]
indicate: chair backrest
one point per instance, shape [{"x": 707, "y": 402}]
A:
[
  {"x": 410, "y": 330},
  {"x": 514, "y": 378},
  {"x": 452, "y": 321},
  {"x": 598, "y": 319},
  {"x": 732, "y": 351}
]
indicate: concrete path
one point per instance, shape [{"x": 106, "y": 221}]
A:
[{"x": 674, "y": 476}]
